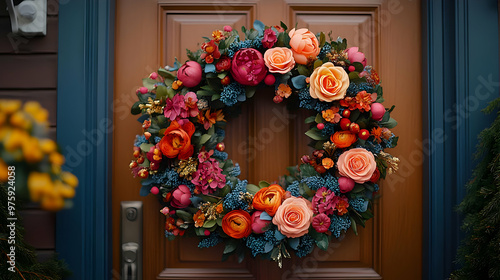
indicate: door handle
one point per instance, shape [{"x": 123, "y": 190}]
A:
[{"x": 131, "y": 240}]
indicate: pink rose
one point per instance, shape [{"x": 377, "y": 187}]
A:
[
  {"x": 258, "y": 225},
  {"x": 294, "y": 217},
  {"x": 181, "y": 197},
  {"x": 279, "y": 60},
  {"x": 269, "y": 38},
  {"x": 304, "y": 45},
  {"x": 248, "y": 67},
  {"x": 321, "y": 223},
  {"x": 357, "y": 164},
  {"x": 356, "y": 56},
  {"x": 190, "y": 74}
]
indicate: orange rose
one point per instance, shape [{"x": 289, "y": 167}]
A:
[
  {"x": 279, "y": 60},
  {"x": 177, "y": 141},
  {"x": 328, "y": 82},
  {"x": 237, "y": 224},
  {"x": 357, "y": 164},
  {"x": 269, "y": 199},
  {"x": 343, "y": 139},
  {"x": 304, "y": 45},
  {"x": 294, "y": 217}
]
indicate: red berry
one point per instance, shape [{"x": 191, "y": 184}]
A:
[
  {"x": 354, "y": 127},
  {"x": 143, "y": 173},
  {"x": 320, "y": 126},
  {"x": 155, "y": 190},
  {"x": 137, "y": 153},
  {"x": 346, "y": 113},
  {"x": 351, "y": 68},
  {"x": 277, "y": 99},
  {"x": 269, "y": 80},
  {"x": 225, "y": 81},
  {"x": 133, "y": 164},
  {"x": 220, "y": 147},
  {"x": 154, "y": 166},
  {"x": 140, "y": 160},
  {"x": 363, "y": 134},
  {"x": 345, "y": 123}
]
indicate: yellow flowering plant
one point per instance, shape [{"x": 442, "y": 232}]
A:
[{"x": 30, "y": 162}]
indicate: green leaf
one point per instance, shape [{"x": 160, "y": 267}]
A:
[
  {"x": 354, "y": 115},
  {"x": 199, "y": 231},
  {"x": 215, "y": 97},
  {"x": 391, "y": 123},
  {"x": 310, "y": 119},
  {"x": 222, "y": 75},
  {"x": 250, "y": 91},
  {"x": 219, "y": 222},
  {"x": 319, "y": 118},
  {"x": 231, "y": 246},
  {"x": 135, "y": 110},
  {"x": 253, "y": 189},
  {"x": 209, "y": 224},
  {"x": 358, "y": 66},
  {"x": 149, "y": 83},
  {"x": 205, "y": 93},
  {"x": 145, "y": 147},
  {"x": 318, "y": 63},
  {"x": 322, "y": 242},
  {"x": 315, "y": 134},
  {"x": 204, "y": 138},
  {"x": 161, "y": 91},
  {"x": 307, "y": 170},
  {"x": 166, "y": 74},
  {"x": 264, "y": 184},
  {"x": 322, "y": 39},
  {"x": 303, "y": 70},
  {"x": 358, "y": 188},
  {"x": 353, "y": 75},
  {"x": 187, "y": 217},
  {"x": 353, "y": 225},
  {"x": 225, "y": 190},
  {"x": 283, "y": 25}
]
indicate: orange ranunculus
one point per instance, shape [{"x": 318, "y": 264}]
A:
[
  {"x": 329, "y": 82},
  {"x": 304, "y": 45},
  {"x": 343, "y": 139},
  {"x": 357, "y": 164},
  {"x": 294, "y": 217},
  {"x": 279, "y": 60},
  {"x": 327, "y": 163},
  {"x": 237, "y": 224},
  {"x": 177, "y": 141},
  {"x": 269, "y": 199}
]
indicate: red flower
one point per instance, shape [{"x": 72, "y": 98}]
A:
[
  {"x": 177, "y": 141},
  {"x": 211, "y": 51},
  {"x": 224, "y": 64}
]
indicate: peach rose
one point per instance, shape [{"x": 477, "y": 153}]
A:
[
  {"x": 328, "y": 82},
  {"x": 279, "y": 60},
  {"x": 304, "y": 45},
  {"x": 237, "y": 224},
  {"x": 357, "y": 164},
  {"x": 294, "y": 217},
  {"x": 269, "y": 199}
]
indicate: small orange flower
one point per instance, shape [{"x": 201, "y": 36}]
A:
[
  {"x": 331, "y": 115},
  {"x": 342, "y": 207},
  {"x": 363, "y": 101},
  {"x": 176, "y": 84},
  {"x": 377, "y": 133},
  {"x": 219, "y": 208},
  {"x": 284, "y": 90},
  {"x": 208, "y": 119},
  {"x": 217, "y": 35},
  {"x": 343, "y": 139},
  {"x": 199, "y": 219},
  {"x": 327, "y": 163}
]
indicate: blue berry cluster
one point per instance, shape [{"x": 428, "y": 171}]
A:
[
  {"x": 339, "y": 224},
  {"x": 233, "y": 199},
  {"x": 231, "y": 92}
]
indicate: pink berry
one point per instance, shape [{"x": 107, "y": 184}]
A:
[
  {"x": 346, "y": 184},
  {"x": 153, "y": 75},
  {"x": 143, "y": 90},
  {"x": 352, "y": 68},
  {"x": 378, "y": 111},
  {"x": 269, "y": 80},
  {"x": 277, "y": 99},
  {"x": 155, "y": 190},
  {"x": 207, "y": 232},
  {"x": 320, "y": 126}
]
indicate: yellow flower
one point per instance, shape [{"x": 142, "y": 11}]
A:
[
  {"x": 69, "y": 179},
  {"x": 56, "y": 158},
  {"x": 52, "y": 201},
  {"x": 15, "y": 139},
  {"x": 31, "y": 150},
  {"x": 10, "y": 106},
  {"x": 48, "y": 145},
  {"x": 36, "y": 111},
  {"x": 64, "y": 190},
  {"x": 39, "y": 184},
  {"x": 19, "y": 119},
  {"x": 3, "y": 171}
]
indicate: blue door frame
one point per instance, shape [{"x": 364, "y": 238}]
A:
[{"x": 461, "y": 74}]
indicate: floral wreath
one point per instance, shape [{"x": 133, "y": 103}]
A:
[{"x": 180, "y": 155}]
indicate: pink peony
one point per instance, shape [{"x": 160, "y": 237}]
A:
[
  {"x": 269, "y": 38},
  {"x": 357, "y": 164},
  {"x": 181, "y": 197},
  {"x": 248, "y": 67},
  {"x": 190, "y": 99},
  {"x": 293, "y": 217},
  {"x": 355, "y": 56},
  {"x": 324, "y": 201},
  {"x": 190, "y": 74},
  {"x": 258, "y": 225},
  {"x": 321, "y": 223}
]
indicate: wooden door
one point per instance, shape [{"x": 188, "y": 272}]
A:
[{"x": 151, "y": 33}]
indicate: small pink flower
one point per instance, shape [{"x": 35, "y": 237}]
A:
[
  {"x": 269, "y": 38},
  {"x": 181, "y": 197},
  {"x": 143, "y": 90},
  {"x": 208, "y": 178},
  {"x": 324, "y": 201},
  {"x": 204, "y": 156},
  {"x": 321, "y": 223},
  {"x": 175, "y": 107},
  {"x": 228, "y": 28},
  {"x": 153, "y": 75},
  {"x": 258, "y": 225},
  {"x": 191, "y": 106},
  {"x": 165, "y": 211},
  {"x": 354, "y": 55}
]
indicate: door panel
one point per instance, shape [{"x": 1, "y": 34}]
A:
[{"x": 266, "y": 138}]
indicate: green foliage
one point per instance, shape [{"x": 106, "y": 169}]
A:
[
  {"x": 26, "y": 265},
  {"x": 479, "y": 254}
]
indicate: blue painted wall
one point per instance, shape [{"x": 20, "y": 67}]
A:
[
  {"x": 84, "y": 119},
  {"x": 462, "y": 74}
]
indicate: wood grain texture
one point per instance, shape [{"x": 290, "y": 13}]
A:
[
  {"x": 11, "y": 43},
  {"x": 37, "y": 71}
]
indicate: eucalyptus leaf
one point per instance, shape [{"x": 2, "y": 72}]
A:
[
  {"x": 315, "y": 134},
  {"x": 209, "y": 224},
  {"x": 186, "y": 216},
  {"x": 264, "y": 184},
  {"x": 145, "y": 147},
  {"x": 253, "y": 189},
  {"x": 299, "y": 82},
  {"x": 250, "y": 91},
  {"x": 310, "y": 119},
  {"x": 149, "y": 83},
  {"x": 161, "y": 91}
]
